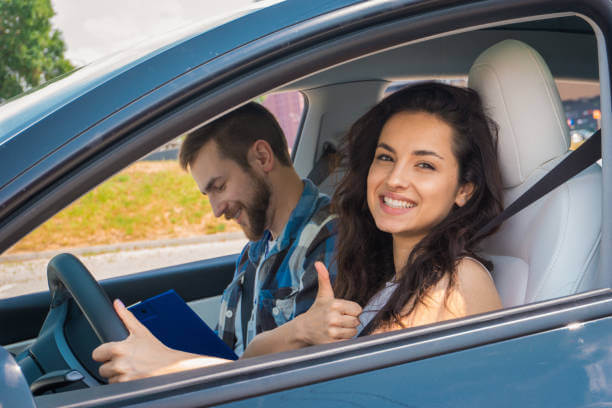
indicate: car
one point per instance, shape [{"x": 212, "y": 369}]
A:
[{"x": 549, "y": 345}]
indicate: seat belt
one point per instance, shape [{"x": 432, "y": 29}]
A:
[
  {"x": 324, "y": 166},
  {"x": 588, "y": 153}
]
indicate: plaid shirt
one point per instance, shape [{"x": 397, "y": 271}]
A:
[{"x": 286, "y": 281}]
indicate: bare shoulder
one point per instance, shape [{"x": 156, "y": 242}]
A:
[
  {"x": 472, "y": 292},
  {"x": 474, "y": 288},
  {"x": 472, "y": 273}
]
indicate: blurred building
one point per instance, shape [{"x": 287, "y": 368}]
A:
[{"x": 288, "y": 108}]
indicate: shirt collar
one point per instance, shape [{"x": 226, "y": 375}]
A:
[{"x": 300, "y": 216}]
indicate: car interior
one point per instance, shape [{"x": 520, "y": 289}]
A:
[
  {"x": 558, "y": 252},
  {"x": 547, "y": 251}
]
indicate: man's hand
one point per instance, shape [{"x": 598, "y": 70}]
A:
[
  {"x": 141, "y": 355},
  {"x": 328, "y": 319}
]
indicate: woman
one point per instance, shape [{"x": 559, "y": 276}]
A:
[{"x": 432, "y": 183}]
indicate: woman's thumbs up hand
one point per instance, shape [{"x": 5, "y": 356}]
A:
[{"x": 328, "y": 319}]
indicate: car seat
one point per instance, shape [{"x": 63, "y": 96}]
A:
[{"x": 551, "y": 248}]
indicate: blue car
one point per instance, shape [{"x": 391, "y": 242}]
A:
[{"x": 551, "y": 344}]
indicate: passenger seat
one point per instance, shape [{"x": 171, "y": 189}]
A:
[{"x": 550, "y": 249}]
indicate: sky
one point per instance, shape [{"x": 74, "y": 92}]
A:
[{"x": 94, "y": 29}]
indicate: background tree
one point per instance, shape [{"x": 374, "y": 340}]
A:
[{"x": 31, "y": 52}]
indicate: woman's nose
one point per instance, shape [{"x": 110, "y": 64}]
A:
[{"x": 399, "y": 177}]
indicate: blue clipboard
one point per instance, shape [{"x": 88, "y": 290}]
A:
[{"x": 176, "y": 325}]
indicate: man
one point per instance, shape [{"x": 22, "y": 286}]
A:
[{"x": 241, "y": 163}]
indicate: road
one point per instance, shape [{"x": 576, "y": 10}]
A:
[{"x": 22, "y": 276}]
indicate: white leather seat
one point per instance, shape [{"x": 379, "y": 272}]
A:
[{"x": 551, "y": 248}]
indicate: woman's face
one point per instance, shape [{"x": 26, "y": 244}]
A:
[{"x": 413, "y": 180}]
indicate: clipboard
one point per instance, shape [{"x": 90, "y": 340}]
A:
[{"x": 176, "y": 325}]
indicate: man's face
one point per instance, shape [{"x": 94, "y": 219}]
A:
[{"x": 232, "y": 191}]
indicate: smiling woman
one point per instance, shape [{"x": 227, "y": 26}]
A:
[{"x": 433, "y": 182}]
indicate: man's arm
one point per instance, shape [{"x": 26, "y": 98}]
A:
[{"x": 141, "y": 355}]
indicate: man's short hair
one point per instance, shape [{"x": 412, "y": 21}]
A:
[{"x": 235, "y": 133}]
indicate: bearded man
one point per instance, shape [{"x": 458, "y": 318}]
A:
[{"x": 241, "y": 163}]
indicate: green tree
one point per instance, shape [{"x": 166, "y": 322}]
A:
[{"x": 31, "y": 52}]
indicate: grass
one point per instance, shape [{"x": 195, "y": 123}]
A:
[{"x": 146, "y": 201}]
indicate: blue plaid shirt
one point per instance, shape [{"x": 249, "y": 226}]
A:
[{"x": 286, "y": 281}]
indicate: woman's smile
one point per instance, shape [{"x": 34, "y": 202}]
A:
[{"x": 395, "y": 205}]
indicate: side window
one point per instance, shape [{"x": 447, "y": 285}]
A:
[
  {"x": 288, "y": 108},
  {"x": 149, "y": 215},
  {"x": 582, "y": 109}
]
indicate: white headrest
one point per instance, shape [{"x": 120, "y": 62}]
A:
[{"x": 520, "y": 95}]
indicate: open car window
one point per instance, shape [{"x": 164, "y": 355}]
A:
[{"x": 150, "y": 215}]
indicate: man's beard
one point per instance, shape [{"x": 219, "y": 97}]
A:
[{"x": 257, "y": 209}]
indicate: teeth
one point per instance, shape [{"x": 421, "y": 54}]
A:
[{"x": 397, "y": 203}]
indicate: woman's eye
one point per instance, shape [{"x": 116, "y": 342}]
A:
[
  {"x": 384, "y": 157},
  {"x": 221, "y": 187},
  {"x": 425, "y": 165}
]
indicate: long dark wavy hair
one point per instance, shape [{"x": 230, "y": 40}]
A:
[{"x": 365, "y": 254}]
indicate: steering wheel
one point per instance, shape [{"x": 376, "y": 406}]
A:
[
  {"x": 69, "y": 278},
  {"x": 80, "y": 315}
]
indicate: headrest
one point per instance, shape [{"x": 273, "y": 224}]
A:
[{"x": 520, "y": 95}]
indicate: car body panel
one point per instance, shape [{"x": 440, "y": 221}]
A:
[{"x": 574, "y": 361}]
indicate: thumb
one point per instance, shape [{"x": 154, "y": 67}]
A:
[
  {"x": 325, "y": 287},
  {"x": 129, "y": 320}
]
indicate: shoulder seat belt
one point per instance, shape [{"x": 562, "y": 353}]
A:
[{"x": 588, "y": 153}]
